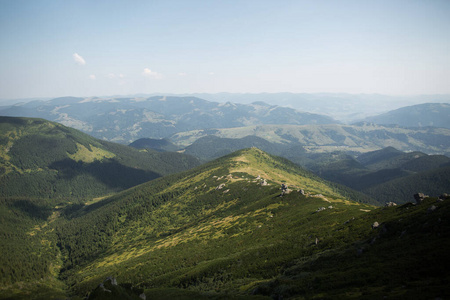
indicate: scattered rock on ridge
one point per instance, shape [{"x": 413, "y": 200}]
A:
[
  {"x": 420, "y": 197},
  {"x": 220, "y": 186}
]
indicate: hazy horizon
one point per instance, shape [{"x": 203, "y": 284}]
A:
[{"x": 84, "y": 48}]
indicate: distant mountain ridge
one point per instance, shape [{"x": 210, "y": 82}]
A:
[
  {"x": 421, "y": 115},
  {"x": 340, "y": 106},
  {"x": 328, "y": 138},
  {"x": 125, "y": 120}
]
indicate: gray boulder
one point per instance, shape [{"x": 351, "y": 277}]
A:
[{"x": 420, "y": 197}]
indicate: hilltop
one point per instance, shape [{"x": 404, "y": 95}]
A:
[
  {"x": 43, "y": 159},
  {"x": 226, "y": 229}
]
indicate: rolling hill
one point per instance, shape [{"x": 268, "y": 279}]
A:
[
  {"x": 42, "y": 159},
  {"x": 225, "y": 230},
  {"x": 329, "y": 138},
  {"x": 389, "y": 174},
  {"x": 154, "y": 144},
  {"x": 421, "y": 115}
]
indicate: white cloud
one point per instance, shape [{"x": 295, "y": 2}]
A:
[
  {"x": 182, "y": 74},
  {"x": 111, "y": 75},
  {"x": 211, "y": 73},
  {"x": 78, "y": 59},
  {"x": 92, "y": 77},
  {"x": 151, "y": 74},
  {"x": 121, "y": 76}
]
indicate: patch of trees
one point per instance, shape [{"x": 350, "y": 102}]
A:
[{"x": 26, "y": 251}]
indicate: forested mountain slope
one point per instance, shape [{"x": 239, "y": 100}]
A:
[
  {"x": 43, "y": 159},
  {"x": 226, "y": 229},
  {"x": 389, "y": 174}
]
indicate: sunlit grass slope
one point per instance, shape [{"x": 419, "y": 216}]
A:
[
  {"x": 223, "y": 231},
  {"x": 222, "y": 227}
]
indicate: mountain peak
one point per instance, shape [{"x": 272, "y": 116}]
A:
[{"x": 255, "y": 163}]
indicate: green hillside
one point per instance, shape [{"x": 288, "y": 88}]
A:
[
  {"x": 430, "y": 182},
  {"x": 155, "y": 144},
  {"x": 222, "y": 230},
  {"x": 43, "y": 159},
  {"x": 387, "y": 174},
  {"x": 388, "y": 158}
]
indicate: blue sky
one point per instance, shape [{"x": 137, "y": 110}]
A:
[{"x": 98, "y": 48}]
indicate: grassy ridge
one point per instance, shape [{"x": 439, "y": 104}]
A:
[
  {"x": 202, "y": 229},
  {"x": 223, "y": 231}
]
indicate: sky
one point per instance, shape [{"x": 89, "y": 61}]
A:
[{"x": 99, "y": 48}]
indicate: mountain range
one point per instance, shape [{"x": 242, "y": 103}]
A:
[
  {"x": 127, "y": 119},
  {"x": 226, "y": 230},
  {"x": 359, "y": 138},
  {"x": 347, "y": 108}
]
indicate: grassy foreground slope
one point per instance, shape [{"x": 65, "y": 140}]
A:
[
  {"x": 220, "y": 230},
  {"x": 43, "y": 159}
]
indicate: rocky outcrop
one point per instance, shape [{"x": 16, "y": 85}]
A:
[
  {"x": 220, "y": 186},
  {"x": 443, "y": 197},
  {"x": 419, "y": 197},
  {"x": 109, "y": 289},
  {"x": 431, "y": 208}
]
